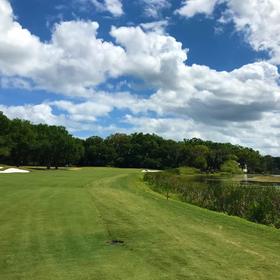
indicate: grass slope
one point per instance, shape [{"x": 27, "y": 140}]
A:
[{"x": 57, "y": 224}]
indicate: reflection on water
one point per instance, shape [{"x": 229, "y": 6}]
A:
[{"x": 245, "y": 180}]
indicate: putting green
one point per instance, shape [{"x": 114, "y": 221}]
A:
[{"x": 105, "y": 223}]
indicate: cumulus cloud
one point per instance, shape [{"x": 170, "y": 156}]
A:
[
  {"x": 30, "y": 55},
  {"x": 257, "y": 19},
  {"x": 76, "y": 60},
  {"x": 71, "y": 63},
  {"x": 84, "y": 60},
  {"x": 153, "y": 57},
  {"x": 211, "y": 96}
]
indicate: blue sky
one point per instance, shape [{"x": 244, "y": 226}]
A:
[{"x": 181, "y": 69}]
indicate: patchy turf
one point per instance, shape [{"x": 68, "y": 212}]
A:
[{"x": 105, "y": 223}]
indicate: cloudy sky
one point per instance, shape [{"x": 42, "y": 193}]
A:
[{"x": 181, "y": 69}]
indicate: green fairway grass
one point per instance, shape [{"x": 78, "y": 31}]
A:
[{"x": 60, "y": 225}]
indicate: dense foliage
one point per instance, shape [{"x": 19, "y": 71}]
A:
[
  {"x": 231, "y": 166},
  {"x": 23, "y": 143},
  {"x": 254, "y": 203}
]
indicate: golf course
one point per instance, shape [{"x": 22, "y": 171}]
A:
[{"x": 105, "y": 223}]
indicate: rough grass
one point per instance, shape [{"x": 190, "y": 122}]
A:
[
  {"x": 186, "y": 170},
  {"x": 60, "y": 224},
  {"x": 4, "y": 167}
]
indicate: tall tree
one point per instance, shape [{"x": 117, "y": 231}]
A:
[
  {"x": 22, "y": 139},
  {"x": 5, "y": 146}
]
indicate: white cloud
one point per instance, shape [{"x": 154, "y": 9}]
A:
[
  {"x": 99, "y": 106},
  {"x": 158, "y": 59},
  {"x": 15, "y": 58},
  {"x": 260, "y": 21},
  {"x": 172, "y": 128},
  {"x": 74, "y": 61},
  {"x": 154, "y": 8},
  {"x": 84, "y": 61},
  {"x": 115, "y": 7},
  {"x": 87, "y": 111},
  {"x": 257, "y": 19},
  {"x": 41, "y": 113},
  {"x": 193, "y": 7},
  {"x": 216, "y": 97}
]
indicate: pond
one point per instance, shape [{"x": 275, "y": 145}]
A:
[{"x": 246, "y": 179}]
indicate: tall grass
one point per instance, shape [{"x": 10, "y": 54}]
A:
[{"x": 255, "y": 203}]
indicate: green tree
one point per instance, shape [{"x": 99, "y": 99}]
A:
[
  {"x": 22, "y": 139},
  {"x": 231, "y": 166},
  {"x": 200, "y": 162},
  {"x": 5, "y": 146}
]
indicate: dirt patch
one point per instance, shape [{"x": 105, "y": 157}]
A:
[
  {"x": 75, "y": 169},
  {"x": 116, "y": 242}
]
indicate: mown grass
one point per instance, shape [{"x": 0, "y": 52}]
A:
[{"x": 59, "y": 224}]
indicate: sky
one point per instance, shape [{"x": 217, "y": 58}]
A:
[{"x": 181, "y": 69}]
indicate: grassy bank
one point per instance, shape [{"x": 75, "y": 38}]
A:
[
  {"x": 60, "y": 225},
  {"x": 260, "y": 204}
]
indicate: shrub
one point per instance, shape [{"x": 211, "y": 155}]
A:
[{"x": 231, "y": 166}]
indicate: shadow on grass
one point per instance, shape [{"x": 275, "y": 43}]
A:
[{"x": 50, "y": 169}]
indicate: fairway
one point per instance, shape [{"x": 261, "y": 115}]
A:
[{"x": 61, "y": 224}]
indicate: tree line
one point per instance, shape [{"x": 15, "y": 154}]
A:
[{"x": 23, "y": 143}]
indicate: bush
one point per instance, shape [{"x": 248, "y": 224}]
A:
[{"x": 231, "y": 166}]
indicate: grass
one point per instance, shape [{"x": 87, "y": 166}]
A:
[
  {"x": 59, "y": 224},
  {"x": 185, "y": 170},
  {"x": 4, "y": 167}
]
